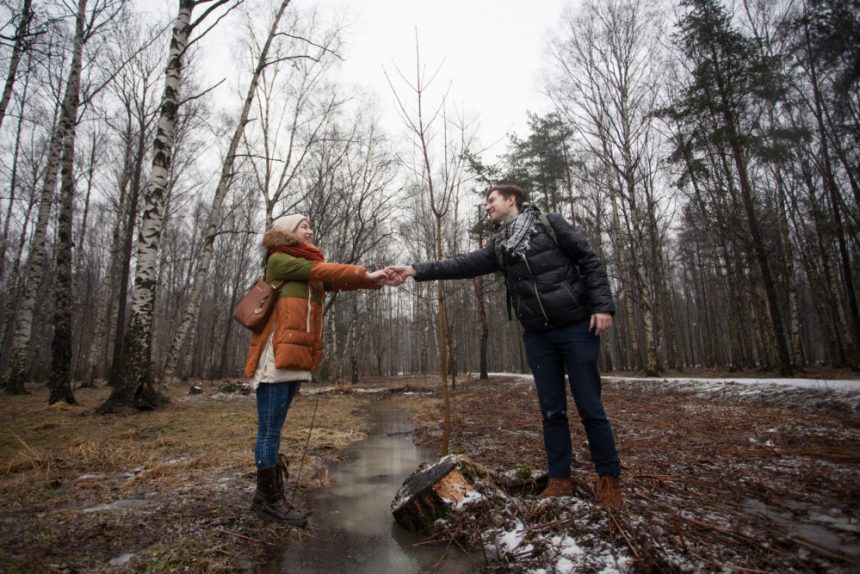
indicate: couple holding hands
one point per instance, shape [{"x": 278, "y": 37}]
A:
[{"x": 555, "y": 283}]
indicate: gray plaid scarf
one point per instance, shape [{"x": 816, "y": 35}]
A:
[{"x": 514, "y": 233}]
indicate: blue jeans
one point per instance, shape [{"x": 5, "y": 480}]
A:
[
  {"x": 273, "y": 402},
  {"x": 573, "y": 349}
]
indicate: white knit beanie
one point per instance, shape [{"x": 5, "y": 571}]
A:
[{"x": 288, "y": 223}]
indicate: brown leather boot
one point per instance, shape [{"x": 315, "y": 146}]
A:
[
  {"x": 269, "y": 500},
  {"x": 609, "y": 491},
  {"x": 557, "y": 487}
]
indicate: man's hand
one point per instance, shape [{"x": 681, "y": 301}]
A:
[
  {"x": 600, "y": 323},
  {"x": 399, "y": 273}
]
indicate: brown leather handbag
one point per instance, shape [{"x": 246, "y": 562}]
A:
[{"x": 255, "y": 307}]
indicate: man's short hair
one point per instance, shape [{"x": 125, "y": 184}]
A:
[{"x": 508, "y": 190}]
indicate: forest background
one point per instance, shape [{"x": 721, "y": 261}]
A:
[{"x": 708, "y": 150}]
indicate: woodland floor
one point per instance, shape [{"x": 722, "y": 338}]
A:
[{"x": 716, "y": 477}]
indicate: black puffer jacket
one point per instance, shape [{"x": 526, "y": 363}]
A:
[{"x": 555, "y": 285}]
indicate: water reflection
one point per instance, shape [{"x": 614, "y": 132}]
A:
[{"x": 352, "y": 529}]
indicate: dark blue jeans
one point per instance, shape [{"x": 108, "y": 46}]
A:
[
  {"x": 573, "y": 349},
  {"x": 273, "y": 402}
]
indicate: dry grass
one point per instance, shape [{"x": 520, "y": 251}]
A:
[{"x": 186, "y": 468}]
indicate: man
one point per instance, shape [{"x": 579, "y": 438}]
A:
[{"x": 560, "y": 293}]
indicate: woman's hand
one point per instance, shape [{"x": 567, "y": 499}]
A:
[{"x": 376, "y": 276}]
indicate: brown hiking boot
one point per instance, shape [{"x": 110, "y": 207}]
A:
[
  {"x": 609, "y": 491},
  {"x": 269, "y": 500},
  {"x": 557, "y": 487}
]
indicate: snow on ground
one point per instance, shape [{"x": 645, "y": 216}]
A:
[
  {"x": 822, "y": 384},
  {"x": 806, "y": 394}
]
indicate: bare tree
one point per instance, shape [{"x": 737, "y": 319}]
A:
[
  {"x": 189, "y": 319},
  {"x": 15, "y": 373},
  {"x": 21, "y": 41},
  {"x": 134, "y": 383},
  {"x": 439, "y": 180},
  {"x": 606, "y": 82}
]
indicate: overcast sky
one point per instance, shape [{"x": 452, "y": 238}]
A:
[{"x": 491, "y": 52}]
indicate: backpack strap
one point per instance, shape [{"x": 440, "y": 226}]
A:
[
  {"x": 550, "y": 230},
  {"x": 500, "y": 256}
]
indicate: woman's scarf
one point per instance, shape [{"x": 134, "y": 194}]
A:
[
  {"x": 303, "y": 250},
  {"x": 514, "y": 233}
]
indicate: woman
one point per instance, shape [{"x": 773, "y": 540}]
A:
[{"x": 290, "y": 347}]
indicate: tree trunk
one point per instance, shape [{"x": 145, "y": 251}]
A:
[
  {"x": 13, "y": 180},
  {"x": 832, "y": 189},
  {"x": 785, "y": 366},
  {"x": 16, "y": 371},
  {"x": 484, "y": 328},
  {"x": 790, "y": 273},
  {"x": 61, "y": 345},
  {"x": 631, "y": 358},
  {"x": 189, "y": 319},
  {"x": 104, "y": 301},
  {"x": 18, "y": 48},
  {"x": 133, "y": 382},
  {"x": 443, "y": 344}
]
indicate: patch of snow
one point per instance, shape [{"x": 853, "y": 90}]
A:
[
  {"x": 90, "y": 477},
  {"x": 512, "y": 538},
  {"x": 117, "y": 505},
  {"x": 470, "y": 497},
  {"x": 822, "y": 384},
  {"x": 122, "y": 559},
  {"x": 564, "y": 566}
]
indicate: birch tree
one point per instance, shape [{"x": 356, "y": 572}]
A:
[
  {"x": 134, "y": 94},
  {"x": 22, "y": 37},
  {"x": 16, "y": 371},
  {"x": 133, "y": 383},
  {"x": 189, "y": 319},
  {"x": 606, "y": 84},
  {"x": 295, "y": 106}
]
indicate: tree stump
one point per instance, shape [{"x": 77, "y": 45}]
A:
[{"x": 434, "y": 491}]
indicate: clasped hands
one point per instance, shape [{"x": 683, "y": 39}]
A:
[{"x": 392, "y": 276}]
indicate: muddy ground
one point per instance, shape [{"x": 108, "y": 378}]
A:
[
  {"x": 716, "y": 477},
  {"x": 159, "y": 491}
]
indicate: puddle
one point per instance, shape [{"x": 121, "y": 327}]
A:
[{"x": 352, "y": 529}]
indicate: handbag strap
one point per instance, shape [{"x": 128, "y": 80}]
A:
[{"x": 278, "y": 286}]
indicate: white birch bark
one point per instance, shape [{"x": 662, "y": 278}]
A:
[
  {"x": 15, "y": 374},
  {"x": 133, "y": 384},
  {"x": 188, "y": 322}
]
